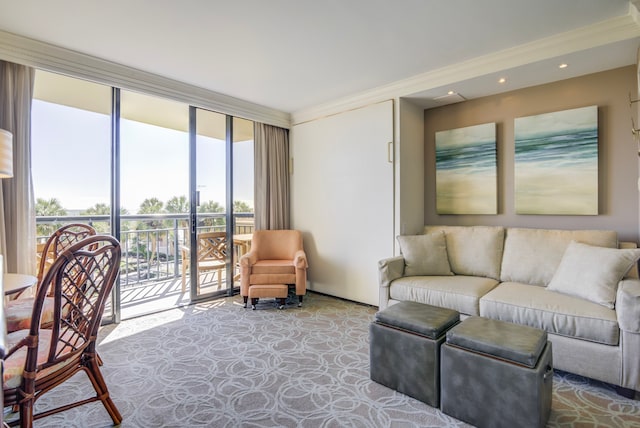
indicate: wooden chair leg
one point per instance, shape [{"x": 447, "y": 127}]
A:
[
  {"x": 219, "y": 279},
  {"x": 95, "y": 376},
  {"x": 26, "y": 414},
  {"x": 300, "y": 300},
  {"x": 246, "y": 299}
]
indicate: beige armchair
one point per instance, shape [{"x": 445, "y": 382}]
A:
[{"x": 276, "y": 257}]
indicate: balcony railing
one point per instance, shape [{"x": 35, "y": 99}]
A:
[{"x": 151, "y": 243}]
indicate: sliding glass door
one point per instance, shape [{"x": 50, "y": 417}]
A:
[
  {"x": 243, "y": 185},
  {"x": 222, "y": 198},
  {"x": 211, "y": 260},
  {"x": 154, "y": 184}
]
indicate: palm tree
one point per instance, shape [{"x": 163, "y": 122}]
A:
[
  {"x": 241, "y": 207},
  {"x": 99, "y": 209},
  {"x": 49, "y": 208},
  {"x": 178, "y": 205},
  {"x": 211, "y": 207},
  {"x": 151, "y": 206},
  {"x": 103, "y": 209}
]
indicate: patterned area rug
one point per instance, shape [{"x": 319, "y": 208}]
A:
[{"x": 217, "y": 364}]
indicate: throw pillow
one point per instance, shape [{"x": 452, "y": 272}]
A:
[
  {"x": 425, "y": 254},
  {"x": 592, "y": 273}
]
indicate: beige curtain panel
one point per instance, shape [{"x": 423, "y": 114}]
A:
[
  {"x": 271, "y": 177},
  {"x": 17, "y": 207}
]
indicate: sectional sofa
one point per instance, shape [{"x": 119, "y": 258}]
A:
[{"x": 581, "y": 286}]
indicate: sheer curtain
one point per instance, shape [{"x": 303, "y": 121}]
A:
[
  {"x": 17, "y": 206},
  {"x": 271, "y": 177}
]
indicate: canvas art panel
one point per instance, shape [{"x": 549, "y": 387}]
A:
[
  {"x": 466, "y": 170},
  {"x": 556, "y": 163}
]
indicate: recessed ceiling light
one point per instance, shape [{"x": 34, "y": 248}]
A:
[
  {"x": 563, "y": 65},
  {"x": 502, "y": 80},
  {"x": 450, "y": 93}
]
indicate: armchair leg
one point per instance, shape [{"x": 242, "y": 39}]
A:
[
  {"x": 300, "y": 300},
  {"x": 246, "y": 298},
  {"x": 254, "y": 302},
  {"x": 282, "y": 302}
]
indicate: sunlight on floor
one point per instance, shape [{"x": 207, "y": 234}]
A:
[{"x": 128, "y": 327}]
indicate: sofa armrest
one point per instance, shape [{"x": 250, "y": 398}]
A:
[
  {"x": 390, "y": 269},
  {"x": 633, "y": 272},
  {"x": 628, "y": 305}
]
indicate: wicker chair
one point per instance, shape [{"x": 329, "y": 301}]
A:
[
  {"x": 18, "y": 311},
  {"x": 40, "y": 359},
  {"x": 212, "y": 255}
]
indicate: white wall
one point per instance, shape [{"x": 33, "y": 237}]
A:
[{"x": 342, "y": 199}]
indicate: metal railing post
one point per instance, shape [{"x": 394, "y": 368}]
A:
[{"x": 176, "y": 248}]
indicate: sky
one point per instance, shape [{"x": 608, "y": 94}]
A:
[{"x": 71, "y": 160}]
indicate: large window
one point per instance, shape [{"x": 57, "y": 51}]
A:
[
  {"x": 86, "y": 163},
  {"x": 71, "y": 147}
]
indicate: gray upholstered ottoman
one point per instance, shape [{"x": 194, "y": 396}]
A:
[
  {"x": 496, "y": 374},
  {"x": 405, "y": 342}
]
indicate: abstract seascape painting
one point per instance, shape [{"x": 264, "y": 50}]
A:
[
  {"x": 466, "y": 171},
  {"x": 556, "y": 163}
]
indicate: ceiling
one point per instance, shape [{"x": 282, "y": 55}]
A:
[{"x": 296, "y": 55}]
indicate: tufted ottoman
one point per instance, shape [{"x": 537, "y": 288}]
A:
[
  {"x": 279, "y": 291},
  {"x": 496, "y": 374},
  {"x": 405, "y": 341}
]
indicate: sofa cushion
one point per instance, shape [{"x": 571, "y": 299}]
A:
[
  {"x": 531, "y": 256},
  {"x": 425, "y": 254},
  {"x": 551, "y": 311},
  {"x": 460, "y": 293},
  {"x": 592, "y": 273},
  {"x": 473, "y": 250}
]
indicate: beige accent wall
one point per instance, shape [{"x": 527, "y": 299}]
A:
[{"x": 617, "y": 151}]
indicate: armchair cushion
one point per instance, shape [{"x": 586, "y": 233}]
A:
[
  {"x": 14, "y": 363},
  {"x": 273, "y": 267}
]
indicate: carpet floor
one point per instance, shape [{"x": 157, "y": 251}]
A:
[{"x": 217, "y": 364}]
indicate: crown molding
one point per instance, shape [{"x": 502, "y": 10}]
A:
[
  {"x": 41, "y": 55},
  {"x": 605, "y": 32}
]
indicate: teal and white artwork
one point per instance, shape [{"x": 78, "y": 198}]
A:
[
  {"x": 466, "y": 171},
  {"x": 556, "y": 163}
]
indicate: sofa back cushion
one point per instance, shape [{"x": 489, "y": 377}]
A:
[
  {"x": 473, "y": 250},
  {"x": 531, "y": 256}
]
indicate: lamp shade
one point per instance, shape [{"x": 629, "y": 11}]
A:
[{"x": 6, "y": 154}]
